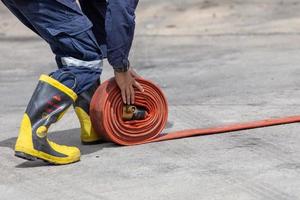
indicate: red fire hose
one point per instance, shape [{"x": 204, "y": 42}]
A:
[{"x": 106, "y": 115}]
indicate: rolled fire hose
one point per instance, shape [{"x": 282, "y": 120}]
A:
[{"x": 106, "y": 112}]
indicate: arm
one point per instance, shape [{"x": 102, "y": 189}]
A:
[{"x": 119, "y": 26}]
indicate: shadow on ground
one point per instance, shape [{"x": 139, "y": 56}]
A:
[{"x": 67, "y": 137}]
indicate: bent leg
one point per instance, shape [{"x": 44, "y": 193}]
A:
[{"x": 69, "y": 33}]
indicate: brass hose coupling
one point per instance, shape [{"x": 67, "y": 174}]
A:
[{"x": 131, "y": 112}]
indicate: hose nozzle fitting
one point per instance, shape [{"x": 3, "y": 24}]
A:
[{"x": 131, "y": 112}]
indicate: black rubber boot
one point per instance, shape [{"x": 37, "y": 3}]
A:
[
  {"x": 82, "y": 109},
  {"x": 49, "y": 102}
]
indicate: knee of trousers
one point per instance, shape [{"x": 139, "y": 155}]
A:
[
  {"x": 78, "y": 57},
  {"x": 77, "y": 50}
]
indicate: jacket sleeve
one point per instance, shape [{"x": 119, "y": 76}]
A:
[{"x": 119, "y": 27}]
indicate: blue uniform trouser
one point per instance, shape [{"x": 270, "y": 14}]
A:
[{"x": 70, "y": 34}]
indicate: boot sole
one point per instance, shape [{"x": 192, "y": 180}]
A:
[
  {"x": 25, "y": 156},
  {"x": 29, "y": 157}
]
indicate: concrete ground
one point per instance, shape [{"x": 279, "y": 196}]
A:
[{"x": 218, "y": 62}]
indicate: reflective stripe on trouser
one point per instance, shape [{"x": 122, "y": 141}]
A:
[{"x": 69, "y": 33}]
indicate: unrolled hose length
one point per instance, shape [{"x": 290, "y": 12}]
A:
[{"x": 106, "y": 115}]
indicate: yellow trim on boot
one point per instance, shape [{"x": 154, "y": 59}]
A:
[
  {"x": 59, "y": 86},
  {"x": 24, "y": 144},
  {"x": 87, "y": 131},
  {"x": 25, "y": 134}
]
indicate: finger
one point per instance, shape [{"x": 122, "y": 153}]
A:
[
  {"x": 123, "y": 96},
  {"x": 127, "y": 91},
  {"x": 138, "y": 86},
  {"x": 132, "y": 95}
]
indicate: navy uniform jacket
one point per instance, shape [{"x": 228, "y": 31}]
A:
[{"x": 114, "y": 24}]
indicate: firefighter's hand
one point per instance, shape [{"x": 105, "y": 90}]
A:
[{"x": 126, "y": 81}]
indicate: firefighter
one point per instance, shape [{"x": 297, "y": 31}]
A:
[{"x": 80, "y": 38}]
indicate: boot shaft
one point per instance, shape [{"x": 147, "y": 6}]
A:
[
  {"x": 84, "y": 99},
  {"x": 48, "y": 103},
  {"x": 82, "y": 109}
]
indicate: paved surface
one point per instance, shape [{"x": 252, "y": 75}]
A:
[{"x": 218, "y": 62}]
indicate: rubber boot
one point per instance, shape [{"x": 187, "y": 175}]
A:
[
  {"x": 82, "y": 107},
  {"x": 48, "y": 103}
]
